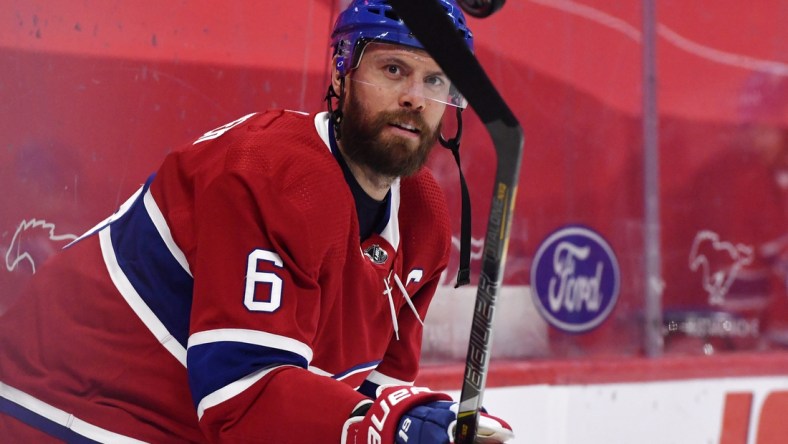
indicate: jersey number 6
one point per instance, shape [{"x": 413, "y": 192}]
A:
[{"x": 254, "y": 277}]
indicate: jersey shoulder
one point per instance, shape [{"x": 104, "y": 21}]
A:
[
  {"x": 282, "y": 152},
  {"x": 422, "y": 195},
  {"x": 277, "y": 141},
  {"x": 276, "y": 160},
  {"x": 424, "y": 214}
]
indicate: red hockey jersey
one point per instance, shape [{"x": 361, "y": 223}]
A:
[{"x": 228, "y": 300}]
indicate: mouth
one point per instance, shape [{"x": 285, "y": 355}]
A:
[{"x": 406, "y": 127}]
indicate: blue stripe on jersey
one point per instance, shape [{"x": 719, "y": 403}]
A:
[
  {"x": 357, "y": 368},
  {"x": 217, "y": 364},
  {"x": 41, "y": 423},
  {"x": 368, "y": 389},
  {"x": 155, "y": 274}
]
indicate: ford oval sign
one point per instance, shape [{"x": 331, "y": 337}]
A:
[{"x": 575, "y": 279}]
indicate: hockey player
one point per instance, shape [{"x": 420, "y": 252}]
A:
[{"x": 267, "y": 284}]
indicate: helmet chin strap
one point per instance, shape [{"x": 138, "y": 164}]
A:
[
  {"x": 464, "y": 272},
  {"x": 335, "y": 115}
]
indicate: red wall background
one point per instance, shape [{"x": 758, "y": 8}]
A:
[{"x": 93, "y": 94}]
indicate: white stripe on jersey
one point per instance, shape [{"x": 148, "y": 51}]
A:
[
  {"x": 124, "y": 207},
  {"x": 391, "y": 231},
  {"x": 254, "y": 337},
  {"x": 321, "y": 372},
  {"x": 164, "y": 231},
  {"x": 244, "y": 336},
  {"x": 380, "y": 379},
  {"x": 134, "y": 300},
  {"x": 231, "y": 390},
  {"x": 321, "y": 125},
  {"x": 62, "y": 418}
]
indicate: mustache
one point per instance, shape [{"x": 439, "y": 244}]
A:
[{"x": 413, "y": 118}]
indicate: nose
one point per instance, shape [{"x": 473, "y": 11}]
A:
[{"x": 412, "y": 96}]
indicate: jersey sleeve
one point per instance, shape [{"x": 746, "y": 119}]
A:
[{"x": 257, "y": 302}]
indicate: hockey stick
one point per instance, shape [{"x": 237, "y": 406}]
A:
[{"x": 427, "y": 20}]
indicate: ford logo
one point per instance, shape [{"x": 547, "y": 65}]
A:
[{"x": 575, "y": 279}]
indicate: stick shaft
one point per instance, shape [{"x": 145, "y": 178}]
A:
[{"x": 428, "y": 21}]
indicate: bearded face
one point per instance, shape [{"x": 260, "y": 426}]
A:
[{"x": 367, "y": 141}]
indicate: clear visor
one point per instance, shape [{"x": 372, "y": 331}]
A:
[{"x": 405, "y": 70}]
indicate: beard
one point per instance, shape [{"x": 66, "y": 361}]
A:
[{"x": 364, "y": 142}]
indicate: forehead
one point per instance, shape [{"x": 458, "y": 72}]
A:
[{"x": 375, "y": 51}]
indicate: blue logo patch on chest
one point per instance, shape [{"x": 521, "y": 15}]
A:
[{"x": 575, "y": 279}]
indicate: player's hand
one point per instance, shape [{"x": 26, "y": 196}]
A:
[
  {"x": 416, "y": 415},
  {"x": 435, "y": 423}
]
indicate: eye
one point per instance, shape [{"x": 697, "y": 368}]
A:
[
  {"x": 393, "y": 70},
  {"x": 436, "y": 82}
]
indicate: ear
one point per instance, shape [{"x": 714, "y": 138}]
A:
[{"x": 336, "y": 75}]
